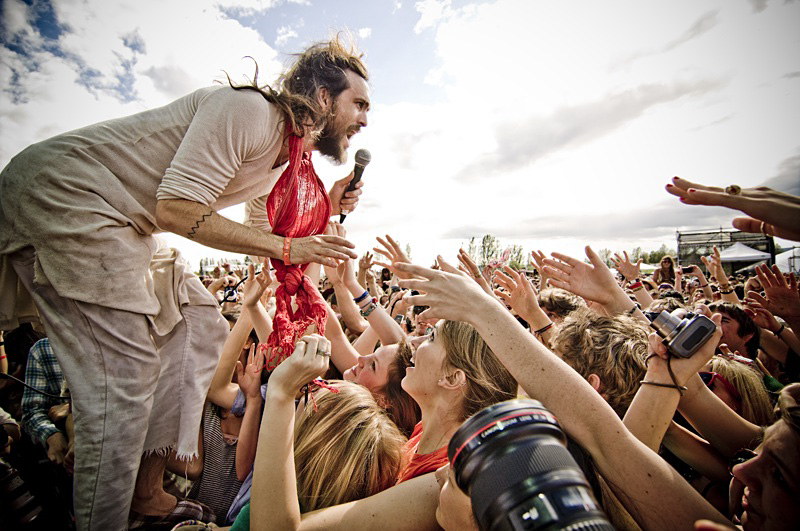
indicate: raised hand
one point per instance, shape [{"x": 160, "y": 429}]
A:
[
  {"x": 394, "y": 254},
  {"x": 256, "y": 286},
  {"x": 628, "y": 269},
  {"x": 249, "y": 377},
  {"x": 308, "y": 361},
  {"x": 517, "y": 292},
  {"x": 592, "y": 281},
  {"x": 682, "y": 368},
  {"x": 364, "y": 265},
  {"x": 449, "y": 293},
  {"x": 713, "y": 263},
  {"x": 760, "y": 315},
  {"x": 771, "y": 212},
  {"x": 468, "y": 266},
  {"x": 781, "y": 298}
]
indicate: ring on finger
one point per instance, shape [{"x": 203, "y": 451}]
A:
[
  {"x": 323, "y": 352},
  {"x": 733, "y": 189}
]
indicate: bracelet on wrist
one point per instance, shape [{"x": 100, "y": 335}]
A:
[
  {"x": 632, "y": 311},
  {"x": 361, "y": 297},
  {"x": 780, "y": 330},
  {"x": 543, "y": 329},
  {"x": 287, "y": 246},
  {"x": 680, "y": 388},
  {"x": 369, "y": 309},
  {"x": 367, "y": 302},
  {"x": 636, "y": 285},
  {"x": 726, "y": 291},
  {"x": 703, "y": 285}
]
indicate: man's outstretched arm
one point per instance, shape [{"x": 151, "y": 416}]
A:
[{"x": 200, "y": 223}]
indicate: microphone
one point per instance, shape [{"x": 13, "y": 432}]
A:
[{"x": 363, "y": 157}]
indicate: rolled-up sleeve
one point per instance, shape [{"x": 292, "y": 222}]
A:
[{"x": 227, "y": 129}]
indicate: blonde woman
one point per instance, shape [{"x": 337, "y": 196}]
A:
[
  {"x": 453, "y": 375},
  {"x": 741, "y": 387},
  {"x": 337, "y": 447}
]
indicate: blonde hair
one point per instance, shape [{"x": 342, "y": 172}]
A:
[
  {"x": 488, "y": 381},
  {"x": 756, "y": 406},
  {"x": 613, "y": 348},
  {"x": 346, "y": 450}
]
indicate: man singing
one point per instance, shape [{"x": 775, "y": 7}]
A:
[{"x": 135, "y": 332}]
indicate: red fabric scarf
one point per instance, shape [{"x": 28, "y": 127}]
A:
[{"x": 298, "y": 206}]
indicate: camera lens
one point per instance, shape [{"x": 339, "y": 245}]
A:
[{"x": 511, "y": 458}]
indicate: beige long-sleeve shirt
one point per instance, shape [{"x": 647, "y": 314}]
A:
[{"x": 85, "y": 200}]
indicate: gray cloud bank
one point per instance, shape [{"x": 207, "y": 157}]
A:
[{"x": 523, "y": 142}]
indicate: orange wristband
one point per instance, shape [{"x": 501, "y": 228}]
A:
[{"x": 287, "y": 244}]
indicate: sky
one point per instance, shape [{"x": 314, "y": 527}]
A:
[{"x": 548, "y": 124}]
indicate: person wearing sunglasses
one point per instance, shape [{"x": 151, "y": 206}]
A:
[{"x": 741, "y": 387}]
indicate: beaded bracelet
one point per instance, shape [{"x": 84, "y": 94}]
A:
[
  {"x": 369, "y": 310},
  {"x": 726, "y": 291},
  {"x": 373, "y": 300}
]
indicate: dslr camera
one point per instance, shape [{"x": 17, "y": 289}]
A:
[
  {"x": 683, "y": 336},
  {"x": 511, "y": 458}
]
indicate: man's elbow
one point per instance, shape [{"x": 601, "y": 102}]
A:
[{"x": 168, "y": 215}]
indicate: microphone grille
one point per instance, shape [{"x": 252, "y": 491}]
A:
[{"x": 363, "y": 157}]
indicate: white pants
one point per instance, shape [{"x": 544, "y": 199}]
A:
[{"x": 132, "y": 391}]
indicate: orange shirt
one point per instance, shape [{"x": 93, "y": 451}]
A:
[{"x": 419, "y": 464}]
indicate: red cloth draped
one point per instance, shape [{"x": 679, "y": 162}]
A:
[{"x": 298, "y": 206}]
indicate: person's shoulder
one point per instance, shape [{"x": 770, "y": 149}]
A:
[{"x": 242, "y": 99}]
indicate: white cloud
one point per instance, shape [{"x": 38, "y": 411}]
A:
[
  {"x": 172, "y": 48},
  {"x": 284, "y": 34},
  {"x": 431, "y": 13}
]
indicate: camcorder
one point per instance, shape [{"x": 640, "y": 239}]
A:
[
  {"x": 512, "y": 460},
  {"x": 683, "y": 334}
]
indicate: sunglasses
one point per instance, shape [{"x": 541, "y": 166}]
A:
[
  {"x": 741, "y": 456},
  {"x": 709, "y": 378}
]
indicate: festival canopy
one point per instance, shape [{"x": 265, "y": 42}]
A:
[
  {"x": 789, "y": 261},
  {"x": 739, "y": 252}
]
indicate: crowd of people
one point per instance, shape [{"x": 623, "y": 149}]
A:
[
  {"x": 352, "y": 429},
  {"x": 356, "y": 425}
]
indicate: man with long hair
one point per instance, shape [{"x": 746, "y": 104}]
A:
[{"x": 137, "y": 335}]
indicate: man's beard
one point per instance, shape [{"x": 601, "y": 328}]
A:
[{"x": 329, "y": 142}]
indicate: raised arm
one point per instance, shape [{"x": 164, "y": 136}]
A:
[
  {"x": 632, "y": 273},
  {"x": 223, "y": 391},
  {"x": 249, "y": 379},
  {"x": 520, "y": 294},
  {"x": 771, "y": 212},
  {"x": 256, "y": 291},
  {"x": 274, "y": 499},
  {"x": 648, "y": 486},
  {"x": 653, "y": 407},
  {"x": 592, "y": 281},
  {"x": 713, "y": 263}
]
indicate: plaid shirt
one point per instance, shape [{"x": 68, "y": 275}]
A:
[{"x": 43, "y": 373}]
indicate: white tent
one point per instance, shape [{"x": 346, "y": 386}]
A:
[
  {"x": 789, "y": 261},
  {"x": 739, "y": 252}
]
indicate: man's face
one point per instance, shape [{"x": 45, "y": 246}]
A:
[
  {"x": 730, "y": 334},
  {"x": 347, "y": 116}
]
